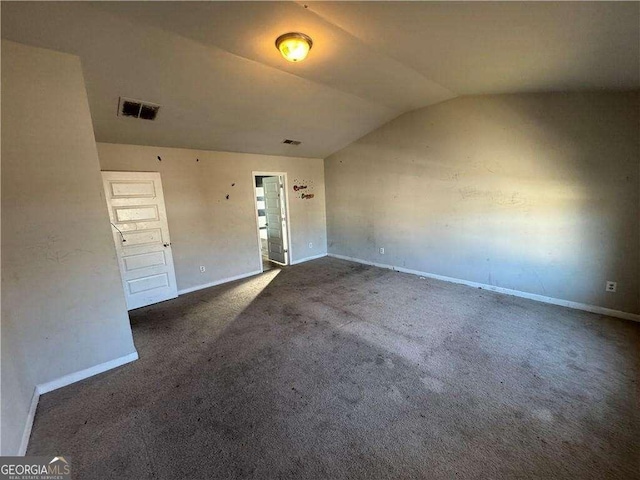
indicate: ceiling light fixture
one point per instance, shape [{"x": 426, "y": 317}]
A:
[{"x": 294, "y": 46}]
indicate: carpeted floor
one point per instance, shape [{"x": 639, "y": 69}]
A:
[{"x": 335, "y": 370}]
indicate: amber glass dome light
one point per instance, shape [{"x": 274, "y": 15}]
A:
[{"x": 294, "y": 46}]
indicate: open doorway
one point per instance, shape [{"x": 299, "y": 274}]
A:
[{"x": 272, "y": 216}]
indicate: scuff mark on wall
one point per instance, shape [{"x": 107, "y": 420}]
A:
[
  {"x": 51, "y": 249},
  {"x": 537, "y": 277},
  {"x": 513, "y": 199}
]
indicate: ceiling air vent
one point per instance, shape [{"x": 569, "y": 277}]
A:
[
  {"x": 128, "y": 107},
  {"x": 292, "y": 142}
]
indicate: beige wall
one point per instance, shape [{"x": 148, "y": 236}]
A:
[
  {"x": 63, "y": 308},
  {"x": 537, "y": 193},
  {"x": 206, "y": 228}
]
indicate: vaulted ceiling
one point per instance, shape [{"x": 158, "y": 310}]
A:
[{"x": 223, "y": 85}]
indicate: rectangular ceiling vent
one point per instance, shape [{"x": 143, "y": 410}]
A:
[
  {"x": 128, "y": 107},
  {"x": 292, "y": 142}
]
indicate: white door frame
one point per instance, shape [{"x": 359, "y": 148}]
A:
[{"x": 286, "y": 207}]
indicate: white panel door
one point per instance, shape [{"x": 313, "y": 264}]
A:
[
  {"x": 141, "y": 234},
  {"x": 276, "y": 244}
]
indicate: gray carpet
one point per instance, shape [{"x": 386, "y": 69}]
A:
[{"x": 335, "y": 370}]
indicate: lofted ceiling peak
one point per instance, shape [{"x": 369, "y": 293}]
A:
[{"x": 223, "y": 85}]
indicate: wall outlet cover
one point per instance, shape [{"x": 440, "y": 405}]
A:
[
  {"x": 202, "y": 268},
  {"x": 611, "y": 287},
  {"x": 381, "y": 250}
]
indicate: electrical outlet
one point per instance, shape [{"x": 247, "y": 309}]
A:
[
  {"x": 202, "y": 268},
  {"x": 612, "y": 287},
  {"x": 381, "y": 250},
  {"x": 310, "y": 244}
]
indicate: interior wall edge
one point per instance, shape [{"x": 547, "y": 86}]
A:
[
  {"x": 56, "y": 227},
  {"x": 26, "y": 434},
  {"x": 64, "y": 381},
  {"x": 85, "y": 373}
]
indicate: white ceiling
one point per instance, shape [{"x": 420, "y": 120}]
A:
[{"x": 215, "y": 70}]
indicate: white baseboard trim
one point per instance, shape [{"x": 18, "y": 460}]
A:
[
  {"x": 240, "y": 277},
  {"x": 63, "y": 382},
  {"x": 306, "y": 259},
  {"x": 86, "y": 373},
  {"x": 218, "y": 282},
  {"x": 26, "y": 434},
  {"x": 507, "y": 291}
]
